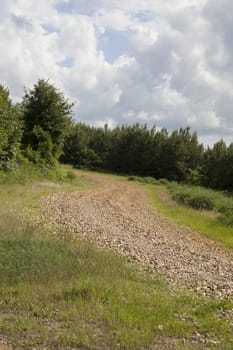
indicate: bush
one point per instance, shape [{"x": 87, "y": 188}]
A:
[
  {"x": 150, "y": 180},
  {"x": 194, "y": 200},
  {"x": 200, "y": 198},
  {"x": 27, "y": 172},
  {"x": 200, "y": 201},
  {"x": 132, "y": 178},
  {"x": 146, "y": 180},
  {"x": 163, "y": 182}
]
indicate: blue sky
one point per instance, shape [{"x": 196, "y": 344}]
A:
[
  {"x": 149, "y": 61},
  {"x": 67, "y": 62},
  {"x": 114, "y": 44},
  {"x": 65, "y": 7}
]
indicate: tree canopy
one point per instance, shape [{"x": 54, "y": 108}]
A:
[
  {"x": 10, "y": 130},
  {"x": 47, "y": 118},
  {"x": 139, "y": 150}
]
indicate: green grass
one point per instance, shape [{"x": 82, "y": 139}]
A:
[
  {"x": 22, "y": 198},
  {"x": 205, "y": 222},
  {"x": 69, "y": 295}
]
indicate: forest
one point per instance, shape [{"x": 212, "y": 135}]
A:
[{"x": 41, "y": 130}]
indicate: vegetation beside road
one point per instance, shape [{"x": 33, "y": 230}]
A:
[
  {"x": 207, "y": 211},
  {"x": 204, "y": 199}
]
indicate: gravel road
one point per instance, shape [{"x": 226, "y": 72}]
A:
[{"x": 119, "y": 216}]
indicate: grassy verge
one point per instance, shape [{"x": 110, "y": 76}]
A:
[
  {"x": 207, "y": 211},
  {"x": 20, "y": 198},
  {"x": 68, "y": 295},
  {"x": 205, "y": 222},
  {"x": 58, "y": 295},
  {"x": 204, "y": 199}
]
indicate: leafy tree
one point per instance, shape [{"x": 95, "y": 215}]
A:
[
  {"x": 228, "y": 176},
  {"x": 177, "y": 154},
  {"x": 218, "y": 166},
  {"x": 130, "y": 149},
  {"x": 99, "y": 142},
  {"x": 84, "y": 146},
  {"x": 47, "y": 119},
  {"x": 215, "y": 165},
  {"x": 10, "y": 130}
]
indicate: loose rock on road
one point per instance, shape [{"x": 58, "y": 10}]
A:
[{"x": 120, "y": 217}]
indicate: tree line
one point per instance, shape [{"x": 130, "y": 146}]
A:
[{"x": 40, "y": 129}]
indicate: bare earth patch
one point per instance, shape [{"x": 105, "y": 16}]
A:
[{"x": 120, "y": 217}]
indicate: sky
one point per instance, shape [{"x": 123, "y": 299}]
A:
[{"x": 164, "y": 63}]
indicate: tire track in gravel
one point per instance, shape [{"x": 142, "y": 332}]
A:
[{"x": 120, "y": 217}]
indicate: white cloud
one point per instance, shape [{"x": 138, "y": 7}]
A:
[
  {"x": 177, "y": 70},
  {"x": 116, "y": 18}
]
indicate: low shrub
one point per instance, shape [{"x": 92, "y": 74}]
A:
[
  {"x": 146, "y": 180},
  {"x": 202, "y": 198},
  {"x": 200, "y": 201},
  {"x": 163, "y": 182},
  {"x": 28, "y": 172},
  {"x": 150, "y": 180},
  {"x": 194, "y": 199},
  {"x": 132, "y": 178}
]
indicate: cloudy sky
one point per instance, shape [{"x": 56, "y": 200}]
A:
[{"x": 162, "y": 62}]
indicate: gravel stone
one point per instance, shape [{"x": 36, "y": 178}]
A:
[{"x": 120, "y": 217}]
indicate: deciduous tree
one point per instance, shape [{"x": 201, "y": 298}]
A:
[{"x": 47, "y": 118}]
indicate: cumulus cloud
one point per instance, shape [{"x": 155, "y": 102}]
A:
[{"x": 174, "y": 66}]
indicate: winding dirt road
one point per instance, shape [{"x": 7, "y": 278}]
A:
[{"x": 120, "y": 217}]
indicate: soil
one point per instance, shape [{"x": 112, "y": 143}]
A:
[{"x": 119, "y": 216}]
